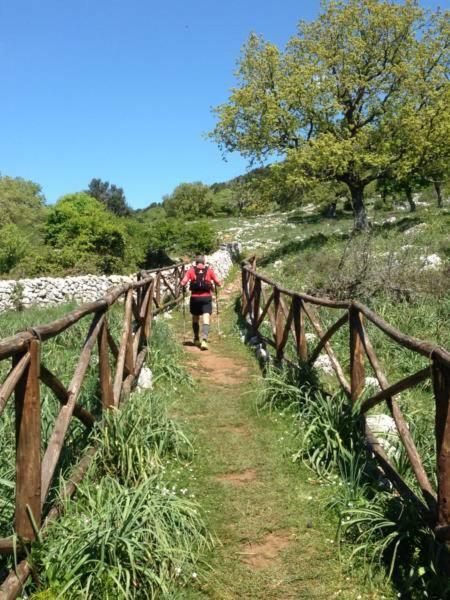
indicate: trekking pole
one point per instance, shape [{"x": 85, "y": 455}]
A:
[
  {"x": 184, "y": 314},
  {"x": 217, "y": 312}
]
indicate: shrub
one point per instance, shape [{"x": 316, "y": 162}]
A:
[
  {"x": 123, "y": 542},
  {"x": 198, "y": 237},
  {"x": 82, "y": 231},
  {"x": 13, "y": 247}
]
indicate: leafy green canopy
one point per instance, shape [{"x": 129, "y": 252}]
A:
[
  {"x": 336, "y": 102},
  {"x": 190, "y": 200},
  {"x": 81, "y": 230},
  {"x": 22, "y": 214}
]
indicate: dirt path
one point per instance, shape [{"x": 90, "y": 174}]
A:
[{"x": 274, "y": 539}]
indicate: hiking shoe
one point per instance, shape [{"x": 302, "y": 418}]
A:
[
  {"x": 204, "y": 345},
  {"x": 197, "y": 342}
]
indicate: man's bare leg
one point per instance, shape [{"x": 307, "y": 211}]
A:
[{"x": 205, "y": 326}]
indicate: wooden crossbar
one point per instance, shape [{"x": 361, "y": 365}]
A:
[{"x": 435, "y": 508}]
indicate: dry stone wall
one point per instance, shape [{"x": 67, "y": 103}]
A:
[{"x": 50, "y": 291}]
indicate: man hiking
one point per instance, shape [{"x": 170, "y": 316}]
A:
[{"x": 201, "y": 278}]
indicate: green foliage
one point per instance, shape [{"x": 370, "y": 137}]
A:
[
  {"x": 21, "y": 202},
  {"x": 83, "y": 233},
  {"x": 110, "y": 195},
  {"x": 380, "y": 529},
  {"x": 189, "y": 201},
  {"x": 166, "y": 355},
  {"x": 132, "y": 531},
  {"x": 198, "y": 237},
  {"x": 123, "y": 542},
  {"x": 13, "y": 247},
  {"x": 22, "y": 214},
  {"x": 337, "y": 103}
]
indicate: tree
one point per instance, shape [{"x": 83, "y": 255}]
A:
[
  {"x": 13, "y": 247},
  {"x": 110, "y": 195},
  {"x": 21, "y": 203},
  {"x": 332, "y": 104},
  {"x": 423, "y": 130},
  {"x": 190, "y": 201},
  {"x": 82, "y": 232}
]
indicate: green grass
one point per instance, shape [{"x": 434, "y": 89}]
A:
[
  {"x": 133, "y": 529},
  {"x": 383, "y": 269},
  {"x": 60, "y": 355},
  {"x": 231, "y": 433}
]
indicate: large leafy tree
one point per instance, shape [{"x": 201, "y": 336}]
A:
[
  {"x": 21, "y": 202},
  {"x": 84, "y": 235},
  {"x": 22, "y": 215},
  {"x": 334, "y": 102},
  {"x": 110, "y": 195},
  {"x": 189, "y": 200}
]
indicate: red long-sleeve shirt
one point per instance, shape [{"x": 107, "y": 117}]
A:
[{"x": 191, "y": 276}]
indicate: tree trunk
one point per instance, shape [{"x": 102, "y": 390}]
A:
[
  {"x": 359, "y": 210},
  {"x": 438, "y": 188},
  {"x": 409, "y": 197}
]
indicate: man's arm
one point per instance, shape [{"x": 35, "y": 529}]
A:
[
  {"x": 215, "y": 279},
  {"x": 187, "y": 277}
]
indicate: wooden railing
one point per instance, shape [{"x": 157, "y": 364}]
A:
[
  {"x": 153, "y": 292},
  {"x": 285, "y": 311}
]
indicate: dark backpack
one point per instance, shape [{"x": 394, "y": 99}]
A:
[{"x": 200, "y": 284}]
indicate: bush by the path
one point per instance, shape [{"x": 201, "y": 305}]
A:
[{"x": 131, "y": 533}]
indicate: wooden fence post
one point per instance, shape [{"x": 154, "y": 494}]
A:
[
  {"x": 256, "y": 304},
  {"x": 106, "y": 388},
  {"x": 244, "y": 288},
  {"x": 441, "y": 387},
  {"x": 357, "y": 374},
  {"x": 129, "y": 354},
  {"x": 148, "y": 317},
  {"x": 28, "y": 446},
  {"x": 158, "y": 289},
  {"x": 279, "y": 322},
  {"x": 299, "y": 327}
]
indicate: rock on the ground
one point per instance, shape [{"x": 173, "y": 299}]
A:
[
  {"x": 323, "y": 363},
  {"x": 371, "y": 382},
  {"x": 432, "y": 262},
  {"x": 261, "y": 353},
  {"x": 145, "y": 380},
  {"x": 383, "y": 427}
]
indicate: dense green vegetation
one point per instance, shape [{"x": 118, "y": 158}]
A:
[
  {"x": 88, "y": 232},
  {"x": 133, "y": 531}
]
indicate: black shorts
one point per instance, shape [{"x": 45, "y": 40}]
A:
[{"x": 200, "y": 305}]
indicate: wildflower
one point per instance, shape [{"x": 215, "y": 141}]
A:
[
  {"x": 194, "y": 575},
  {"x": 177, "y": 571}
]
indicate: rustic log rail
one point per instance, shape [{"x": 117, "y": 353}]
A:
[
  {"x": 286, "y": 311},
  {"x": 153, "y": 292}
]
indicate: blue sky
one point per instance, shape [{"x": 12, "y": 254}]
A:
[{"x": 123, "y": 90}]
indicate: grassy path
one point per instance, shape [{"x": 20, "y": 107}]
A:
[{"x": 275, "y": 540}]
